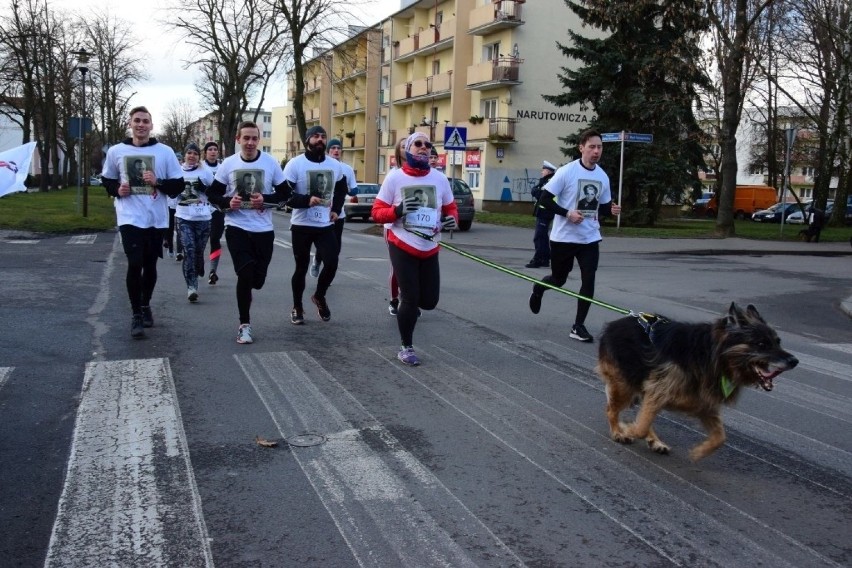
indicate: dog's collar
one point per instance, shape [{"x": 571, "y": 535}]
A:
[{"x": 728, "y": 387}]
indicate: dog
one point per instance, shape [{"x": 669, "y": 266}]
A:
[{"x": 693, "y": 368}]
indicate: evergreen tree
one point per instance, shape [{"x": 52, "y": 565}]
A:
[{"x": 640, "y": 75}]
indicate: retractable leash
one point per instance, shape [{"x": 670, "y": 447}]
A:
[{"x": 523, "y": 276}]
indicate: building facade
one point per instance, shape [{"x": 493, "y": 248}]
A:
[{"x": 478, "y": 67}]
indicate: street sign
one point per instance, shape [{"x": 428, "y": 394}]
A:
[
  {"x": 455, "y": 138},
  {"x": 645, "y": 138},
  {"x": 611, "y": 137}
]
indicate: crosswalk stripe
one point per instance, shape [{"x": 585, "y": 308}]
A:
[
  {"x": 381, "y": 498},
  {"x": 129, "y": 497},
  {"x": 82, "y": 239},
  {"x": 4, "y": 375}
]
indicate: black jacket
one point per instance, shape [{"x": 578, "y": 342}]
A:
[{"x": 538, "y": 210}]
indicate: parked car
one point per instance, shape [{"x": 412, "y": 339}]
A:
[
  {"x": 464, "y": 202},
  {"x": 773, "y": 214},
  {"x": 796, "y": 217},
  {"x": 699, "y": 208},
  {"x": 359, "y": 202}
]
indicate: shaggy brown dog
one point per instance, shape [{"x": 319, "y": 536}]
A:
[{"x": 689, "y": 367}]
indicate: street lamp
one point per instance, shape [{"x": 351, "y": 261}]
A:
[
  {"x": 82, "y": 67},
  {"x": 790, "y": 136}
]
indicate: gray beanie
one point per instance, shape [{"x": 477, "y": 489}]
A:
[{"x": 192, "y": 147}]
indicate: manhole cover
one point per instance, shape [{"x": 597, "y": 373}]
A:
[{"x": 306, "y": 440}]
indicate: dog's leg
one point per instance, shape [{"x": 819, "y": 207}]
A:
[
  {"x": 655, "y": 443},
  {"x": 715, "y": 437},
  {"x": 641, "y": 427},
  {"x": 617, "y": 399}
]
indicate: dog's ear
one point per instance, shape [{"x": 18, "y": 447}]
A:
[
  {"x": 735, "y": 315},
  {"x": 752, "y": 313}
]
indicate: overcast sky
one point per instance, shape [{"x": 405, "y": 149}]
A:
[{"x": 165, "y": 53}]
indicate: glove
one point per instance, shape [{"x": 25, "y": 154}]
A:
[
  {"x": 408, "y": 205},
  {"x": 448, "y": 223}
]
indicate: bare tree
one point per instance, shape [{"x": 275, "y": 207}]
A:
[
  {"x": 734, "y": 22},
  {"x": 239, "y": 48},
  {"x": 177, "y": 124}
]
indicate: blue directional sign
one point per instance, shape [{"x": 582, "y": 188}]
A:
[
  {"x": 645, "y": 138},
  {"x": 611, "y": 137},
  {"x": 455, "y": 138}
]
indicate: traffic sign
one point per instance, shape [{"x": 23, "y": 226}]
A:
[
  {"x": 646, "y": 138},
  {"x": 455, "y": 138},
  {"x": 611, "y": 137}
]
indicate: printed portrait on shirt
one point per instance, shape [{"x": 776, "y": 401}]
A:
[
  {"x": 321, "y": 184},
  {"x": 248, "y": 182},
  {"x": 135, "y": 168},
  {"x": 425, "y": 194},
  {"x": 587, "y": 197}
]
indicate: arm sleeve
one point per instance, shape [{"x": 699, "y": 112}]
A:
[
  {"x": 172, "y": 186},
  {"x": 383, "y": 212},
  {"x": 282, "y": 193},
  {"x": 297, "y": 200},
  {"x": 111, "y": 186},
  {"x": 216, "y": 195},
  {"x": 605, "y": 209},
  {"x": 450, "y": 209},
  {"x": 548, "y": 201}
]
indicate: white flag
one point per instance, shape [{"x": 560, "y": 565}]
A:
[{"x": 14, "y": 167}]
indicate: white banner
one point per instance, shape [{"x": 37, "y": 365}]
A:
[{"x": 14, "y": 167}]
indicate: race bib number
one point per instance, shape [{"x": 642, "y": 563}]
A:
[
  {"x": 319, "y": 214},
  {"x": 424, "y": 218}
]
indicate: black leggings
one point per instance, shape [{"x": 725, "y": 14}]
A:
[
  {"x": 217, "y": 228},
  {"x": 419, "y": 286},
  {"x": 338, "y": 234},
  {"x": 326, "y": 244},
  {"x": 143, "y": 247},
  {"x": 562, "y": 261}
]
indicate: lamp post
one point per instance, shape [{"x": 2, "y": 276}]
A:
[
  {"x": 790, "y": 137},
  {"x": 82, "y": 66}
]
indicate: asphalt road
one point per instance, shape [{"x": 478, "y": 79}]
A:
[{"x": 495, "y": 452}]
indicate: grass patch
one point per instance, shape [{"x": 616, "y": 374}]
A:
[
  {"x": 680, "y": 228},
  {"x": 57, "y": 211}
]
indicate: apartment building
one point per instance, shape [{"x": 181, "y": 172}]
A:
[
  {"x": 206, "y": 128},
  {"x": 482, "y": 65}
]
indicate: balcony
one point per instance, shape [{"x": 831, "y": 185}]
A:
[
  {"x": 432, "y": 87},
  {"x": 313, "y": 86},
  {"x": 355, "y": 141},
  {"x": 494, "y": 130},
  {"x": 428, "y": 40},
  {"x": 346, "y": 74},
  {"x": 498, "y": 15},
  {"x": 494, "y": 74},
  {"x": 388, "y": 138},
  {"x": 348, "y": 108}
]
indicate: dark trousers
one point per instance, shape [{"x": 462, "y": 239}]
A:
[
  {"x": 541, "y": 240},
  {"x": 561, "y": 263},
  {"x": 326, "y": 244},
  {"x": 419, "y": 286}
]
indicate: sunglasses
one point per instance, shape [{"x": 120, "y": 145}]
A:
[{"x": 420, "y": 144}]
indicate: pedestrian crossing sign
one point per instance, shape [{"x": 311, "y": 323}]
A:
[{"x": 455, "y": 138}]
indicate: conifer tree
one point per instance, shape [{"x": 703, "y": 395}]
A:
[{"x": 639, "y": 74}]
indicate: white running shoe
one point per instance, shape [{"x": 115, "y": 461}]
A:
[{"x": 244, "y": 334}]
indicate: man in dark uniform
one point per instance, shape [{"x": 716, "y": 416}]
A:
[{"x": 543, "y": 217}]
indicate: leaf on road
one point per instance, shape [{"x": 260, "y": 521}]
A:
[{"x": 264, "y": 443}]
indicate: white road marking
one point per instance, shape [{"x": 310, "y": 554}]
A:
[
  {"x": 82, "y": 239},
  {"x": 383, "y": 501},
  {"x": 836, "y": 370},
  {"x": 282, "y": 243},
  {"x": 129, "y": 497},
  {"x": 4, "y": 375}
]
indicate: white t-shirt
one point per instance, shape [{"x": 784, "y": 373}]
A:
[
  {"x": 199, "y": 211},
  {"x": 577, "y": 188},
  {"x": 146, "y": 207},
  {"x": 434, "y": 191},
  {"x": 313, "y": 178},
  {"x": 351, "y": 184},
  {"x": 260, "y": 175}
]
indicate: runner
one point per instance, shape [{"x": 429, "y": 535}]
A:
[
  {"x": 141, "y": 210},
  {"x": 217, "y": 219},
  {"x": 248, "y": 224},
  {"x": 319, "y": 188},
  {"x": 414, "y": 232},
  {"x": 193, "y": 214},
  {"x": 335, "y": 148}
]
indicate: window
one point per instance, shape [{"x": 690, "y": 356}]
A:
[
  {"x": 808, "y": 171},
  {"x": 439, "y": 19},
  {"x": 267, "y": 149},
  {"x": 382, "y": 164},
  {"x": 436, "y": 67},
  {"x": 267, "y": 134},
  {"x": 267, "y": 119},
  {"x": 491, "y": 52},
  {"x": 473, "y": 179},
  {"x": 433, "y": 116},
  {"x": 489, "y": 108}
]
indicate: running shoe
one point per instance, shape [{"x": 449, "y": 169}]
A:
[
  {"x": 137, "y": 330},
  {"x": 213, "y": 278},
  {"x": 322, "y": 308},
  {"x": 578, "y": 332},
  {"x": 244, "y": 334},
  {"x": 535, "y": 298},
  {"x": 315, "y": 266},
  {"x": 192, "y": 294},
  {"x": 393, "y": 306},
  {"x": 179, "y": 257},
  {"x": 297, "y": 316},
  {"x": 407, "y": 356},
  {"x": 147, "y": 317}
]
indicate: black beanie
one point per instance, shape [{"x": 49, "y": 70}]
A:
[
  {"x": 313, "y": 130},
  {"x": 210, "y": 145}
]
